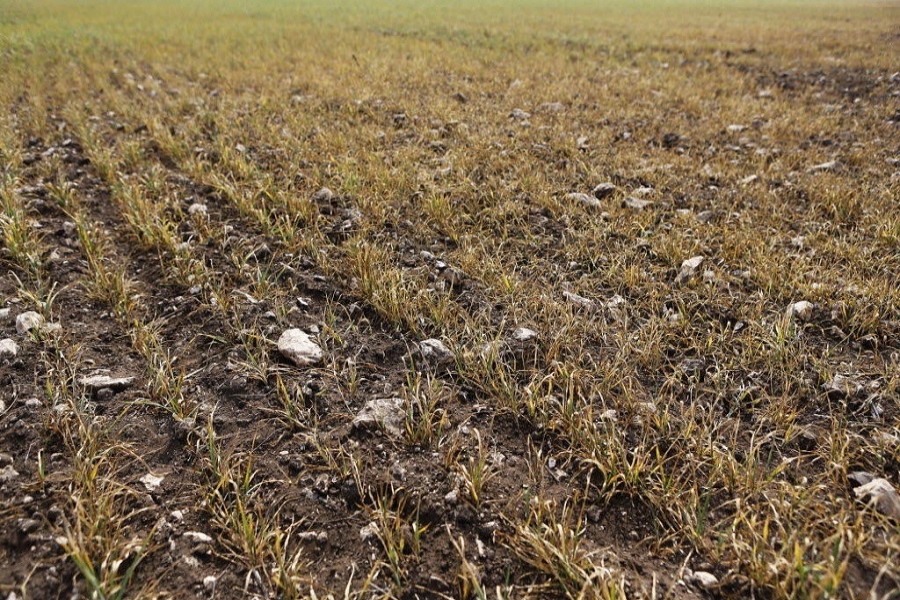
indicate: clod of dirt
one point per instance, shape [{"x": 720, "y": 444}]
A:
[
  {"x": 603, "y": 190},
  {"x": 388, "y": 414},
  {"x": 95, "y": 383},
  {"x": 8, "y": 348},
  {"x": 802, "y": 310},
  {"x": 29, "y": 320},
  {"x": 688, "y": 269},
  {"x": 435, "y": 352},
  {"x": 880, "y": 493},
  {"x": 636, "y": 203},
  {"x": 298, "y": 347},
  {"x": 585, "y": 199},
  {"x": 825, "y": 166}
]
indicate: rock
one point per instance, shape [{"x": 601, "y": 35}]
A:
[
  {"x": 209, "y": 582},
  {"x": 151, "y": 481},
  {"x": 636, "y": 203},
  {"x": 841, "y": 386},
  {"x": 552, "y": 107},
  {"x": 388, "y": 414},
  {"x": 603, "y": 190},
  {"x": 7, "y": 474},
  {"x": 860, "y": 478},
  {"x": 435, "y": 352},
  {"x": 323, "y": 195},
  {"x": 703, "y": 579},
  {"x": 4, "y": 314},
  {"x": 615, "y": 302},
  {"x": 197, "y": 536},
  {"x": 749, "y": 179},
  {"x": 29, "y": 320},
  {"x": 880, "y": 493},
  {"x": 369, "y": 531},
  {"x": 33, "y": 404},
  {"x": 5, "y": 459},
  {"x": 298, "y": 347},
  {"x": 735, "y": 128},
  {"x": 95, "y": 383},
  {"x": 198, "y": 209},
  {"x": 452, "y": 497},
  {"x": 523, "y": 334},
  {"x": 585, "y": 199},
  {"x": 802, "y": 310},
  {"x": 519, "y": 115},
  {"x": 8, "y": 348},
  {"x": 577, "y": 299},
  {"x": 688, "y": 269},
  {"x": 825, "y": 166}
]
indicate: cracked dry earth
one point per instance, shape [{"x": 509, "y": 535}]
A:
[{"x": 537, "y": 317}]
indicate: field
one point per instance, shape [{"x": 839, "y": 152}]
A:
[{"x": 595, "y": 299}]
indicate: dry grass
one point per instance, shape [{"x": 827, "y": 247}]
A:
[{"x": 162, "y": 168}]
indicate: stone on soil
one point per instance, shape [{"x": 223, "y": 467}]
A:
[
  {"x": 385, "y": 413},
  {"x": 435, "y": 352},
  {"x": 95, "y": 383},
  {"x": 603, "y": 190},
  {"x": 298, "y": 347},
  {"x": 585, "y": 199},
  {"x": 880, "y": 493},
  {"x": 8, "y": 348},
  {"x": 802, "y": 310},
  {"x": 29, "y": 320},
  {"x": 688, "y": 269}
]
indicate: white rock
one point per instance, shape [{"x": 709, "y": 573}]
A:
[
  {"x": 703, "y": 579},
  {"x": 7, "y": 473},
  {"x": 385, "y": 413},
  {"x": 519, "y": 114},
  {"x": 749, "y": 179},
  {"x": 554, "y": 107},
  {"x": 585, "y": 199},
  {"x": 368, "y": 531},
  {"x": 825, "y": 166},
  {"x": 523, "y": 334},
  {"x": 151, "y": 481},
  {"x": 4, "y": 314},
  {"x": 29, "y": 320},
  {"x": 802, "y": 310},
  {"x": 197, "y": 536},
  {"x": 8, "y": 348},
  {"x": 603, "y": 190},
  {"x": 881, "y": 494},
  {"x": 323, "y": 195},
  {"x": 577, "y": 299},
  {"x": 636, "y": 203},
  {"x": 452, "y": 497},
  {"x": 177, "y": 515},
  {"x": 735, "y": 128},
  {"x": 99, "y": 382},
  {"x": 209, "y": 582},
  {"x": 198, "y": 209},
  {"x": 841, "y": 386},
  {"x": 435, "y": 352},
  {"x": 615, "y": 302},
  {"x": 688, "y": 269},
  {"x": 298, "y": 347}
]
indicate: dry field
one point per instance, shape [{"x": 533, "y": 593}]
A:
[{"x": 595, "y": 299}]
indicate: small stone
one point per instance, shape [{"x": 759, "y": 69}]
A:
[
  {"x": 151, "y": 481},
  {"x": 703, "y": 579},
  {"x": 33, "y": 404},
  {"x": 523, "y": 334},
  {"x": 553, "y": 107},
  {"x": 5, "y": 459},
  {"x": 368, "y": 532},
  {"x": 736, "y": 128},
  {"x": 8, "y": 348},
  {"x": 688, "y": 269},
  {"x": 802, "y": 310},
  {"x": 95, "y": 383},
  {"x": 29, "y": 320},
  {"x": 825, "y": 166},
  {"x": 577, "y": 299},
  {"x": 197, "y": 536},
  {"x": 177, "y": 515},
  {"x": 388, "y": 414},
  {"x": 603, "y": 190},
  {"x": 209, "y": 582},
  {"x": 323, "y": 195},
  {"x": 435, "y": 352},
  {"x": 841, "y": 386},
  {"x": 452, "y": 497},
  {"x": 4, "y": 314},
  {"x": 880, "y": 493},
  {"x": 519, "y": 115},
  {"x": 7, "y": 474},
  {"x": 749, "y": 179},
  {"x": 198, "y": 209},
  {"x": 298, "y": 347},
  {"x": 636, "y": 203},
  {"x": 585, "y": 199},
  {"x": 615, "y": 302},
  {"x": 860, "y": 478}
]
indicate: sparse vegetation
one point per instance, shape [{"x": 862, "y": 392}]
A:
[{"x": 587, "y": 299}]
